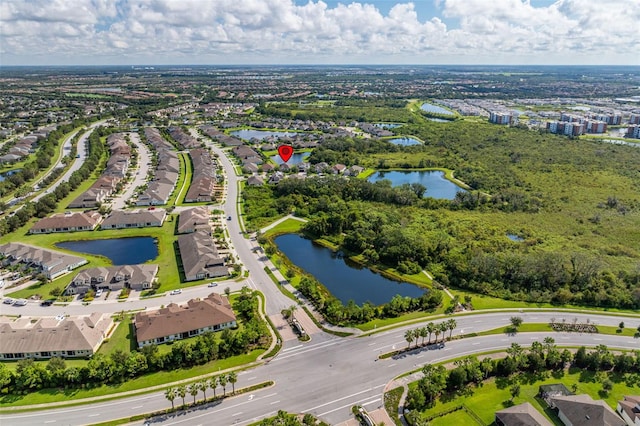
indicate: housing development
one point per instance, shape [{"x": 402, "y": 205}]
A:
[{"x": 445, "y": 245}]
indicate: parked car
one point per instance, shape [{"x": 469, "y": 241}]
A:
[
  {"x": 228, "y": 217},
  {"x": 212, "y": 285},
  {"x": 47, "y": 302},
  {"x": 99, "y": 292},
  {"x": 8, "y": 301},
  {"x": 20, "y": 302},
  {"x": 178, "y": 291}
]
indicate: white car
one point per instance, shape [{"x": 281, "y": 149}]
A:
[
  {"x": 212, "y": 285},
  {"x": 178, "y": 291},
  {"x": 21, "y": 302},
  {"x": 99, "y": 293}
]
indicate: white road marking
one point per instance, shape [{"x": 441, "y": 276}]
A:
[
  {"x": 236, "y": 414},
  {"x": 475, "y": 343},
  {"x": 274, "y": 402},
  {"x": 349, "y": 405},
  {"x": 94, "y": 415},
  {"x": 137, "y": 406},
  {"x": 344, "y": 397},
  {"x": 391, "y": 365}
]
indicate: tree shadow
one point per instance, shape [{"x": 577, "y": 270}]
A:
[
  {"x": 508, "y": 403},
  {"x": 503, "y": 382},
  {"x": 587, "y": 376}
]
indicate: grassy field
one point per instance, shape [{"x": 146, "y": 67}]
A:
[
  {"x": 459, "y": 417},
  {"x": 494, "y": 395},
  {"x": 286, "y": 227},
  {"x": 173, "y": 199},
  {"x": 187, "y": 166}
]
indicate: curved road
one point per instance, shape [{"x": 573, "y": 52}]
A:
[{"x": 325, "y": 376}]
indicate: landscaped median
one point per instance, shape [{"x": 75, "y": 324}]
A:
[{"x": 204, "y": 403}]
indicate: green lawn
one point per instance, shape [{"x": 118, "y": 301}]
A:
[
  {"x": 459, "y": 417},
  {"x": 173, "y": 199},
  {"x": 153, "y": 379},
  {"x": 493, "y": 395},
  {"x": 187, "y": 166},
  {"x": 287, "y": 227}
]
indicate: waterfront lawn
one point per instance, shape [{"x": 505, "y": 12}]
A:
[
  {"x": 288, "y": 226},
  {"x": 494, "y": 395},
  {"x": 168, "y": 275}
]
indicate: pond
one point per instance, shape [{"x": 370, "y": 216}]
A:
[
  {"x": 4, "y": 175},
  {"x": 121, "y": 251},
  {"x": 248, "y": 134},
  {"x": 344, "y": 279},
  {"x": 388, "y": 125},
  {"x": 514, "y": 237},
  {"x": 405, "y": 141},
  {"x": 296, "y": 158},
  {"x": 435, "y": 109},
  {"x": 437, "y": 185}
]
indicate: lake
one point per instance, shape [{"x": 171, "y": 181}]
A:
[
  {"x": 248, "y": 134},
  {"x": 4, "y": 175},
  {"x": 344, "y": 279},
  {"x": 121, "y": 251},
  {"x": 388, "y": 125},
  {"x": 296, "y": 158},
  {"x": 435, "y": 109},
  {"x": 405, "y": 141},
  {"x": 437, "y": 185}
]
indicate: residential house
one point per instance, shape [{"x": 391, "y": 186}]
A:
[
  {"x": 321, "y": 167},
  {"x": 44, "y": 338},
  {"x": 250, "y": 168},
  {"x": 338, "y": 169},
  {"x": 582, "y": 410},
  {"x": 266, "y": 167},
  {"x": 122, "y": 219},
  {"x": 521, "y": 415},
  {"x": 176, "y": 322},
  {"x": 200, "y": 258},
  {"x": 113, "y": 278},
  {"x": 276, "y": 177},
  {"x": 203, "y": 179},
  {"x": 67, "y": 222},
  {"x": 629, "y": 409},
  {"x": 194, "y": 219},
  {"x": 255, "y": 181},
  {"x": 354, "y": 171},
  {"x": 48, "y": 262}
]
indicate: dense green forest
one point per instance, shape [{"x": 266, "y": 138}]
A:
[{"x": 573, "y": 203}]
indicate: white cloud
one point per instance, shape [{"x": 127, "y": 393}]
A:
[{"x": 280, "y": 31}]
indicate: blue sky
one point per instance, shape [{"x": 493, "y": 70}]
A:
[{"x": 67, "y": 32}]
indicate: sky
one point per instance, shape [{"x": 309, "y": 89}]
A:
[{"x": 237, "y": 32}]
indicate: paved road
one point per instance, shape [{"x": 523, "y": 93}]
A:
[
  {"x": 323, "y": 378},
  {"x": 140, "y": 176}
]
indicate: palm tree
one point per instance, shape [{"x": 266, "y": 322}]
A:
[
  {"x": 193, "y": 390},
  {"x": 222, "y": 381},
  {"x": 213, "y": 384},
  {"x": 182, "y": 392},
  {"x": 170, "y": 394},
  {"x": 203, "y": 385},
  {"x": 437, "y": 330},
  {"x": 422, "y": 332},
  {"x": 431, "y": 327},
  {"x": 232, "y": 378},
  {"x": 409, "y": 335},
  {"x": 292, "y": 309},
  {"x": 451, "y": 325}
]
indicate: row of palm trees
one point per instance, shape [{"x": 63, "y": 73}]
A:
[
  {"x": 201, "y": 386},
  {"x": 428, "y": 330}
]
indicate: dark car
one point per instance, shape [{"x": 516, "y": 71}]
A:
[{"x": 47, "y": 302}]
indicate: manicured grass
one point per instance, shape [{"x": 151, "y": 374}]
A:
[
  {"x": 153, "y": 379},
  {"x": 459, "y": 417},
  {"x": 286, "y": 227},
  {"x": 494, "y": 394},
  {"x": 122, "y": 338},
  {"x": 187, "y": 166},
  {"x": 366, "y": 173},
  {"x": 180, "y": 182}
]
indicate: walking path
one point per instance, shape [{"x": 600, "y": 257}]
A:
[{"x": 279, "y": 221}]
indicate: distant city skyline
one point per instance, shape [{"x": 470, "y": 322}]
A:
[{"x": 246, "y": 32}]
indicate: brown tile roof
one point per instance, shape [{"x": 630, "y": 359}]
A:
[
  {"x": 193, "y": 219},
  {"x": 134, "y": 217},
  {"x": 49, "y": 334},
  {"x": 584, "y": 411},
  {"x": 198, "y": 252},
  {"x": 631, "y": 406},
  {"x": 68, "y": 220},
  {"x": 213, "y": 310},
  {"x": 522, "y": 415}
]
